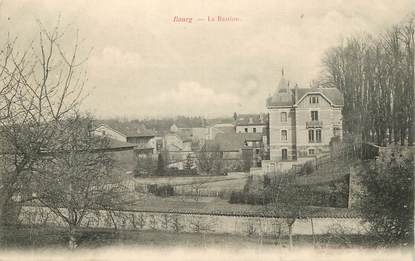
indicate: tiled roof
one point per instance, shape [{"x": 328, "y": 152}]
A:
[
  {"x": 232, "y": 141},
  {"x": 116, "y": 144},
  {"x": 185, "y": 134},
  {"x": 252, "y": 119},
  {"x": 277, "y": 99},
  {"x": 225, "y": 128},
  {"x": 139, "y": 133},
  {"x": 129, "y": 130},
  {"x": 333, "y": 94},
  {"x": 287, "y": 99}
]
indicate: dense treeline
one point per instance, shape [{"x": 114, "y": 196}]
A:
[
  {"x": 376, "y": 76},
  {"x": 162, "y": 125}
]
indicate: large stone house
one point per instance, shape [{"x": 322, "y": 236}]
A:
[{"x": 302, "y": 121}]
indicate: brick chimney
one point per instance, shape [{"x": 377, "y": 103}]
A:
[{"x": 295, "y": 93}]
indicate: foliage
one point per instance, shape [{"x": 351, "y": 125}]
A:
[
  {"x": 210, "y": 161},
  {"x": 331, "y": 194},
  {"x": 145, "y": 166},
  {"x": 388, "y": 201},
  {"x": 233, "y": 166},
  {"x": 247, "y": 160},
  {"x": 240, "y": 197},
  {"x": 188, "y": 164},
  {"x": 307, "y": 168},
  {"x": 160, "y": 165},
  {"x": 267, "y": 181},
  {"x": 161, "y": 190}
]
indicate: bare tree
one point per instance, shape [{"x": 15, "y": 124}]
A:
[
  {"x": 376, "y": 76},
  {"x": 288, "y": 201},
  {"x": 77, "y": 180},
  {"x": 176, "y": 223},
  {"x": 40, "y": 86}
]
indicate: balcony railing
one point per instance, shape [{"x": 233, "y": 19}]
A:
[{"x": 314, "y": 124}]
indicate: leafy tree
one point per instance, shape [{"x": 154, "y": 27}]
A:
[
  {"x": 210, "y": 160},
  {"x": 387, "y": 202}
]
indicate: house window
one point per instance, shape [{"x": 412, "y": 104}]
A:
[
  {"x": 284, "y": 135},
  {"x": 284, "y": 154},
  {"x": 313, "y": 99},
  {"x": 310, "y": 135},
  {"x": 103, "y": 132},
  {"x": 314, "y": 115},
  {"x": 246, "y": 129},
  {"x": 311, "y": 152},
  {"x": 318, "y": 135},
  {"x": 257, "y": 151},
  {"x": 254, "y": 130},
  {"x": 336, "y": 131},
  {"x": 283, "y": 117}
]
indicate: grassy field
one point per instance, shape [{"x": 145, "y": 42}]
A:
[{"x": 230, "y": 182}]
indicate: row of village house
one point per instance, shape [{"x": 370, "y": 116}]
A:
[
  {"x": 300, "y": 123},
  {"x": 246, "y": 135}
]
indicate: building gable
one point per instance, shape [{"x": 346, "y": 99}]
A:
[
  {"x": 322, "y": 100},
  {"x": 332, "y": 95},
  {"x": 104, "y": 130}
]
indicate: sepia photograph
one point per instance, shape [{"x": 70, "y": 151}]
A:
[{"x": 207, "y": 130}]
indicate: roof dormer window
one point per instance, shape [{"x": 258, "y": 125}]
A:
[{"x": 313, "y": 99}]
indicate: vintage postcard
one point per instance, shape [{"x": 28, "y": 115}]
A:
[{"x": 207, "y": 130}]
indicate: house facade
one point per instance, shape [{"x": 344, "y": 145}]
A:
[
  {"x": 220, "y": 128},
  {"x": 251, "y": 123},
  {"x": 104, "y": 130},
  {"x": 302, "y": 121},
  {"x": 238, "y": 146},
  {"x": 142, "y": 139}
]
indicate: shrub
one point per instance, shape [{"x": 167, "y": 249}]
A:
[
  {"x": 241, "y": 197},
  {"x": 307, "y": 168},
  {"x": 161, "y": 191},
  {"x": 388, "y": 200}
]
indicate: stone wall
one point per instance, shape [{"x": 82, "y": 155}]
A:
[{"x": 195, "y": 223}]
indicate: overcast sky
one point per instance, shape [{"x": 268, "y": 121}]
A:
[{"x": 144, "y": 64}]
